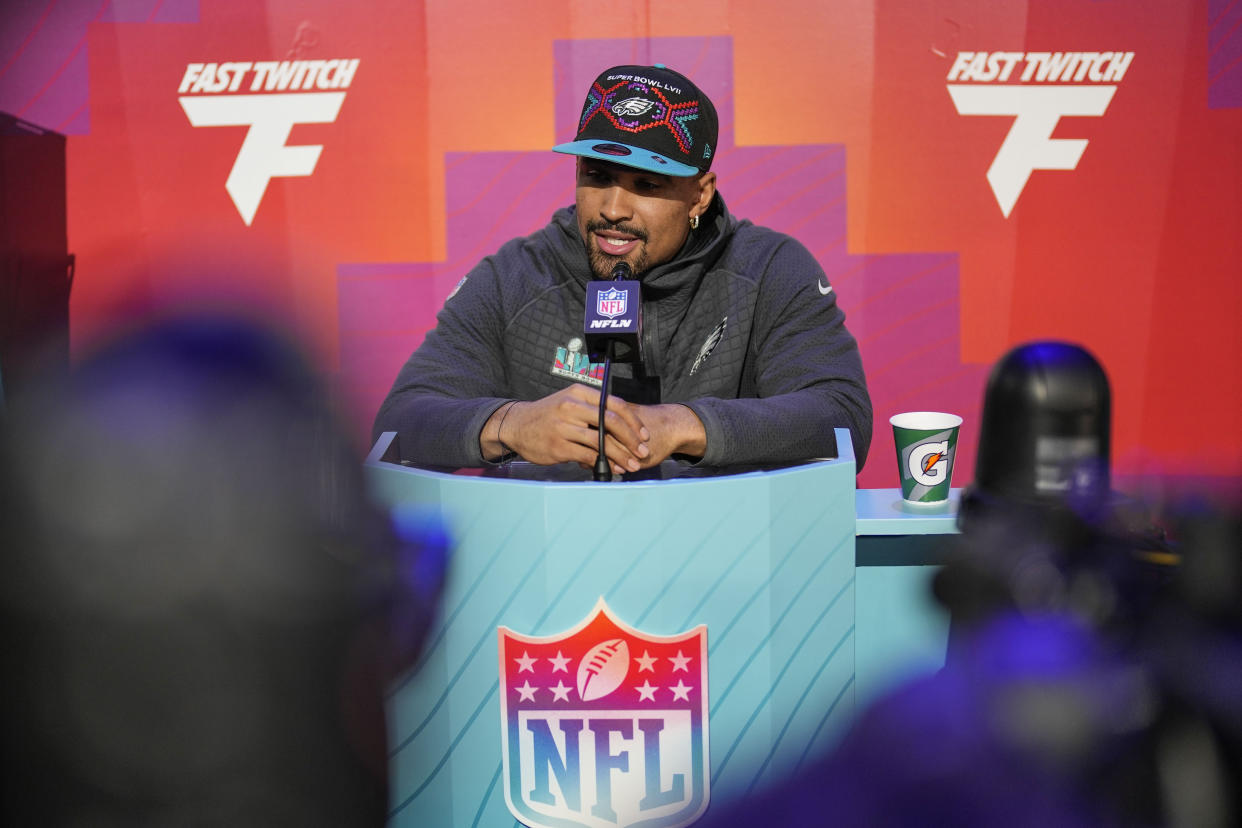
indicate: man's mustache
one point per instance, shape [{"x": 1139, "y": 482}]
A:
[{"x": 595, "y": 225}]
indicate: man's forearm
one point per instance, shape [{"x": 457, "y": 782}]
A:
[
  {"x": 490, "y": 443},
  {"x": 436, "y": 430},
  {"x": 784, "y": 428}
]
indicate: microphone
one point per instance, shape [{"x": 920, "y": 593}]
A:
[
  {"x": 614, "y": 314},
  {"x": 613, "y": 329}
]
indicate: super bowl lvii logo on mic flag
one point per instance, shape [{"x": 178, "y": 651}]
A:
[{"x": 604, "y": 725}]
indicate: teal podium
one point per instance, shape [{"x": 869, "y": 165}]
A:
[{"x": 531, "y": 701}]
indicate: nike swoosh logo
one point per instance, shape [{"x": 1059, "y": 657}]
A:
[{"x": 824, "y": 290}]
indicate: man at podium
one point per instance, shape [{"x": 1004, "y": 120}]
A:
[{"x": 745, "y": 355}]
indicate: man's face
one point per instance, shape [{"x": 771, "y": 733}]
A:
[{"x": 638, "y": 217}]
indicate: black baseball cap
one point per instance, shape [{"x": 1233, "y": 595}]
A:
[{"x": 648, "y": 117}]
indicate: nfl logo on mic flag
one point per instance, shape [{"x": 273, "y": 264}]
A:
[
  {"x": 611, "y": 302},
  {"x": 604, "y": 725}
]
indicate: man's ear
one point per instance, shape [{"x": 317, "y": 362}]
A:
[{"x": 707, "y": 191}]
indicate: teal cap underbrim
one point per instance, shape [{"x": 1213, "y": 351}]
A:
[{"x": 643, "y": 159}]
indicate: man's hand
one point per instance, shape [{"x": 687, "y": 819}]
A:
[
  {"x": 560, "y": 428},
  {"x": 674, "y": 429}
]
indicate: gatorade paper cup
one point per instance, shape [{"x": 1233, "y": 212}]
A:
[{"x": 926, "y": 447}]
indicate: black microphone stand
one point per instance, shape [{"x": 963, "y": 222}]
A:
[{"x": 603, "y": 471}]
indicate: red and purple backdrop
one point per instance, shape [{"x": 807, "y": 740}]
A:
[{"x": 970, "y": 174}]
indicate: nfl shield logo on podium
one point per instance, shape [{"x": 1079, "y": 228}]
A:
[{"x": 604, "y": 726}]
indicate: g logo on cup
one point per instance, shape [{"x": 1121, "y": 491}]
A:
[
  {"x": 928, "y": 462},
  {"x": 926, "y": 443}
]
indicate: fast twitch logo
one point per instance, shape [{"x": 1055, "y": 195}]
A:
[
  {"x": 269, "y": 97},
  {"x": 604, "y": 726},
  {"x": 1037, "y": 89}
]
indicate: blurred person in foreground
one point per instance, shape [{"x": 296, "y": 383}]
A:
[
  {"x": 745, "y": 355},
  {"x": 1094, "y": 671},
  {"x": 1071, "y": 701},
  {"x": 200, "y": 607}
]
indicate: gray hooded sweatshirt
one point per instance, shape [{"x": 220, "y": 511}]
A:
[{"x": 741, "y": 326}]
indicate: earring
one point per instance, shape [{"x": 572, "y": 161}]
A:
[{"x": 694, "y": 222}]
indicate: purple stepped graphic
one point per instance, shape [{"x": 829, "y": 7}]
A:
[
  {"x": 1224, "y": 54},
  {"x": 903, "y": 308},
  {"x": 44, "y": 74}
]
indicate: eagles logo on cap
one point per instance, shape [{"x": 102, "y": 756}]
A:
[
  {"x": 632, "y": 107},
  {"x": 648, "y": 117}
]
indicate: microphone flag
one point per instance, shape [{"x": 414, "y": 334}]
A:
[{"x": 614, "y": 313}]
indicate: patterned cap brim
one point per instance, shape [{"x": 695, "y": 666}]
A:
[{"x": 627, "y": 155}]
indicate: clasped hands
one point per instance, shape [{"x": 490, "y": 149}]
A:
[{"x": 563, "y": 428}]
